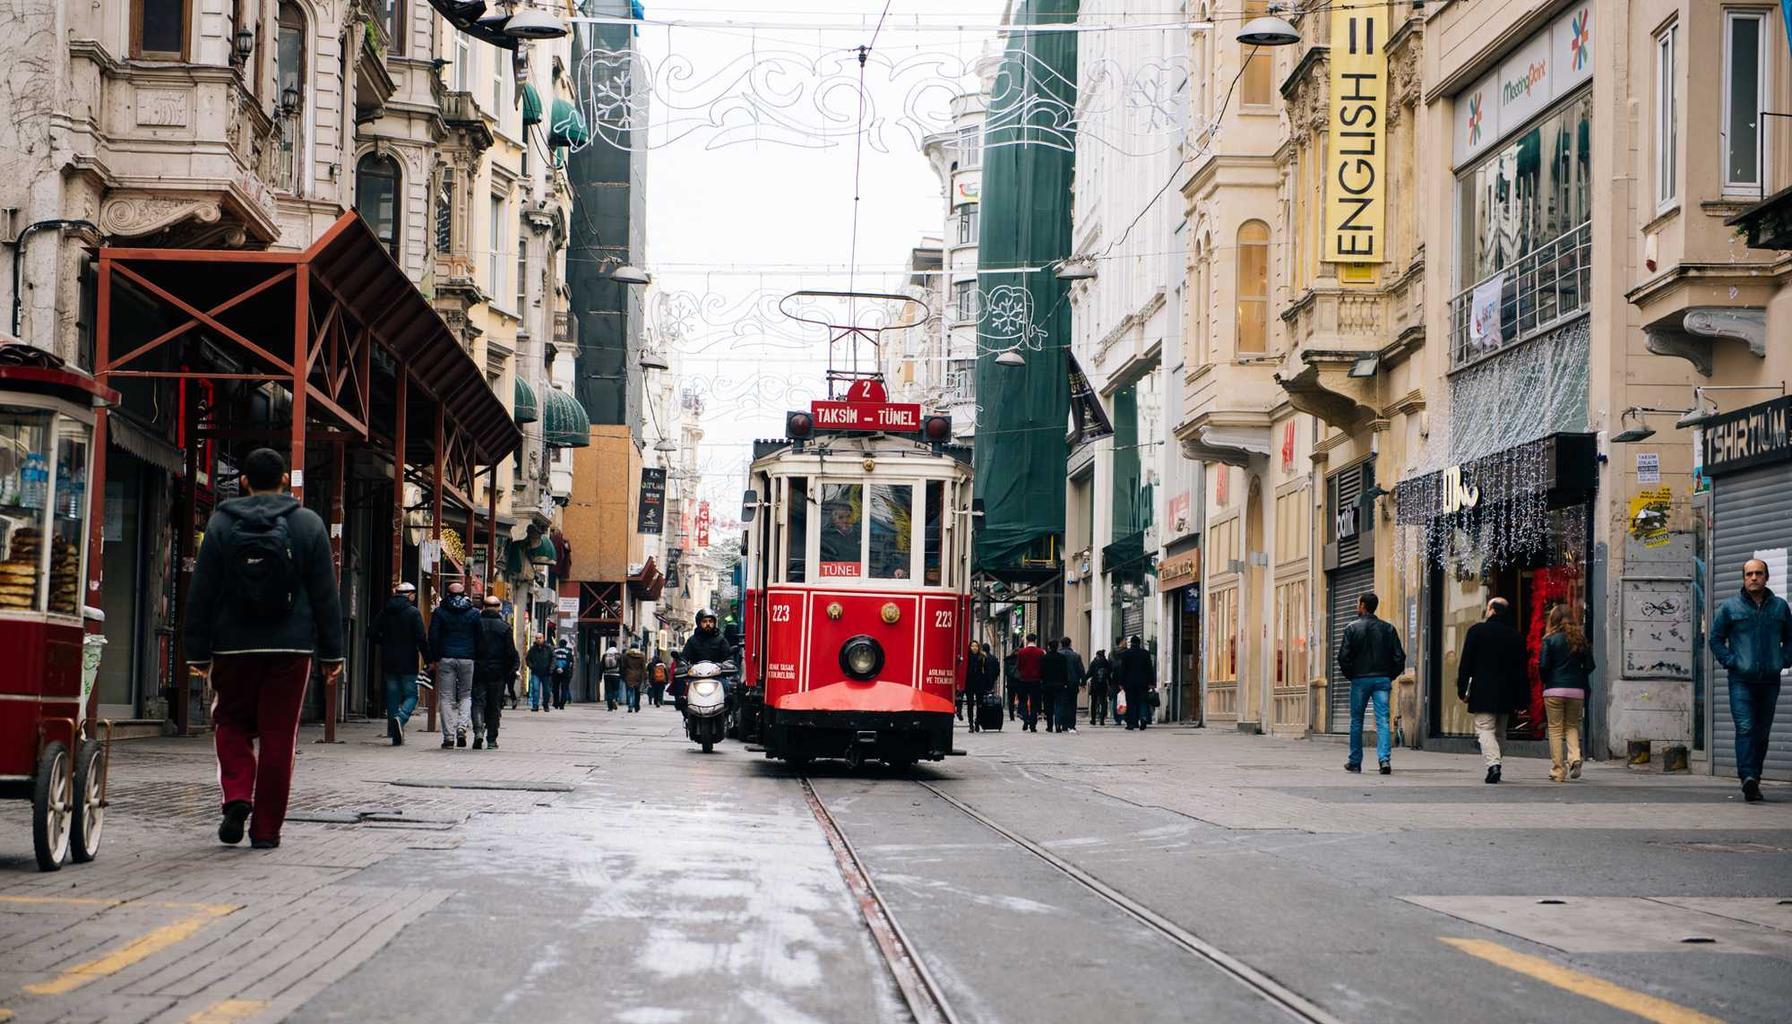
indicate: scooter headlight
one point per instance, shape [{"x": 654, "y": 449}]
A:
[
  {"x": 706, "y": 688},
  {"x": 861, "y": 657}
]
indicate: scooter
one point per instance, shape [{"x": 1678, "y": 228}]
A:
[{"x": 706, "y": 702}]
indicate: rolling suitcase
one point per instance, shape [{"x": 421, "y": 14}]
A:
[{"x": 989, "y": 712}]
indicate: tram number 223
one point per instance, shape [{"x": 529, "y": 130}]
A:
[
  {"x": 780, "y": 613},
  {"x": 942, "y": 619}
]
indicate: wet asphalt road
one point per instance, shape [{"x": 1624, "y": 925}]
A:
[{"x": 671, "y": 886}]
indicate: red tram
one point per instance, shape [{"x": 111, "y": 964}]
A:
[{"x": 858, "y": 571}]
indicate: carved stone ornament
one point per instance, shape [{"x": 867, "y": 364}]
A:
[{"x": 135, "y": 216}]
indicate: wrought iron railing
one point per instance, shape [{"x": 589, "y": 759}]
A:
[{"x": 1544, "y": 287}]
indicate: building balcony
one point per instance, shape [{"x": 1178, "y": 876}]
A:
[
  {"x": 186, "y": 151},
  {"x": 1226, "y": 411},
  {"x": 1344, "y": 337},
  {"x": 1539, "y": 291}
]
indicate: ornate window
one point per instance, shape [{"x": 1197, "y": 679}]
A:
[
  {"x": 391, "y": 15},
  {"x": 289, "y": 73},
  {"x": 159, "y": 29},
  {"x": 376, "y": 197}
]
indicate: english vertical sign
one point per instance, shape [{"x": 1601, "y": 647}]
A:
[{"x": 1355, "y": 203}]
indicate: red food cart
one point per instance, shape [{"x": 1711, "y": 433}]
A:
[{"x": 49, "y": 752}]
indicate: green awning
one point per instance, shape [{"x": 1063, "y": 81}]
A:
[
  {"x": 531, "y": 105},
  {"x": 567, "y": 128},
  {"x": 544, "y": 552},
  {"x": 563, "y": 421},
  {"x": 527, "y": 409}
]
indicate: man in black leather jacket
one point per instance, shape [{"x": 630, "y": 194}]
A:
[{"x": 1370, "y": 656}]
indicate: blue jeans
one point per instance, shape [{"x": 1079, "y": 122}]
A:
[
  {"x": 1067, "y": 708},
  {"x": 540, "y": 695},
  {"x": 401, "y": 695},
  {"x": 1362, "y": 690},
  {"x": 1751, "y": 707}
]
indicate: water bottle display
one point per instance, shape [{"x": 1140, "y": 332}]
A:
[{"x": 34, "y": 481}]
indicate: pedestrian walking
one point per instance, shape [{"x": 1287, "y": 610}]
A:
[
  {"x": 263, "y": 605},
  {"x": 1011, "y": 684},
  {"x": 562, "y": 673},
  {"x": 1565, "y": 664},
  {"x": 453, "y": 644},
  {"x": 1370, "y": 656},
  {"x": 612, "y": 673},
  {"x": 540, "y": 661},
  {"x": 1751, "y": 637},
  {"x": 980, "y": 673},
  {"x": 658, "y": 672},
  {"x": 1052, "y": 680},
  {"x": 1099, "y": 672},
  {"x": 1137, "y": 675},
  {"x": 1491, "y": 679},
  {"x": 1073, "y": 683},
  {"x": 1029, "y": 664},
  {"x": 634, "y": 675},
  {"x": 495, "y": 663},
  {"x": 404, "y": 648}
]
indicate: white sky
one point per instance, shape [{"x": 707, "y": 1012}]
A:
[{"x": 750, "y": 205}]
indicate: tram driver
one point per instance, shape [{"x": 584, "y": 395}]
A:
[{"x": 840, "y": 537}]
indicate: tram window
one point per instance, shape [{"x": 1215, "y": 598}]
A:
[
  {"x": 930, "y": 540},
  {"x": 798, "y": 510},
  {"x": 892, "y": 530},
  {"x": 842, "y": 540}
]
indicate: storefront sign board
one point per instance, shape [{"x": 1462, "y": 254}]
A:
[
  {"x": 1355, "y": 200},
  {"x": 1748, "y": 437},
  {"x": 1543, "y": 69}
]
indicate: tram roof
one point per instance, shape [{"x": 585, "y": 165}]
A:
[{"x": 783, "y": 452}]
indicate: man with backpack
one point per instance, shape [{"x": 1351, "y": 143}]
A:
[
  {"x": 612, "y": 677},
  {"x": 540, "y": 660},
  {"x": 263, "y": 605},
  {"x": 562, "y": 672},
  {"x": 657, "y": 675},
  {"x": 494, "y": 665},
  {"x": 453, "y": 645}
]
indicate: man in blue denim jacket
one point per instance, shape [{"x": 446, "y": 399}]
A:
[{"x": 1751, "y": 636}]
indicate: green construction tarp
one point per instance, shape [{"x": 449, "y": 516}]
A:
[{"x": 1023, "y": 411}]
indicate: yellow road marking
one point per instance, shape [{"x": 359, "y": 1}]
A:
[
  {"x": 228, "y": 1011},
  {"x": 1597, "y": 989},
  {"x": 218, "y": 909},
  {"x": 124, "y": 956}
]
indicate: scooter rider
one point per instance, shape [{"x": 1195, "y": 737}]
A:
[{"x": 708, "y": 644}]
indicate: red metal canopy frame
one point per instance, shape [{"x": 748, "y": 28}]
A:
[{"x": 311, "y": 322}]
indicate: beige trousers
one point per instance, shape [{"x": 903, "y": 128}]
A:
[
  {"x": 1489, "y": 728},
  {"x": 1563, "y": 715}
]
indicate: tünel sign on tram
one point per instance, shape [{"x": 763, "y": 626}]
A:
[
  {"x": 882, "y": 416},
  {"x": 1749, "y": 437}
]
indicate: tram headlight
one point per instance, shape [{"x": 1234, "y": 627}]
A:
[{"x": 861, "y": 657}]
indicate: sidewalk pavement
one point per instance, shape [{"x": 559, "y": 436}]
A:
[{"x": 169, "y": 926}]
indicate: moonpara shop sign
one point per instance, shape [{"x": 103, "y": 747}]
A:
[
  {"x": 1355, "y": 208},
  {"x": 1749, "y": 437}
]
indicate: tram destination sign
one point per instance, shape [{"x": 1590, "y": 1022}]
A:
[
  {"x": 895, "y": 417},
  {"x": 1749, "y": 437}
]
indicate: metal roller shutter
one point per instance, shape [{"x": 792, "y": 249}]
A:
[
  {"x": 1751, "y": 511},
  {"x": 1346, "y": 586}
]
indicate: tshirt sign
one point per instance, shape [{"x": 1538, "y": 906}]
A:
[
  {"x": 1355, "y": 206},
  {"x": 1540, "y": 71}
]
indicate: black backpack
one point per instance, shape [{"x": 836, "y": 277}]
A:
[{"x": 263, "y": 581}]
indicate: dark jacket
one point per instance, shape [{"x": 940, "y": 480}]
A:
[
  {"x": 404, "y": 643},
  {"x": 634, "y": 666},
  {"x": 454, "y": 629},
  {"x": 1562, "y": 669},
  {"x": 215, "y": 625},
  {"x": 1099, "y": 672},
  {"x": 1135, "y": 669},
  {"x": 1053, "y": 669},
  {"x": 1491, "y": 676},
  {"x": 1754, "y": 642},
  {"x": 541, "y": 658},
  {"x": 495, "y": 659},
  {"x": 1073, "y": 666},
  {"x": 981, "y": 672},
  {"x": 703, "y": 646},
  {"x": 1370, "y": 647}
]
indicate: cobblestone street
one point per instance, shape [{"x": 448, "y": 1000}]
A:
[{"x": 599, "y": 868}]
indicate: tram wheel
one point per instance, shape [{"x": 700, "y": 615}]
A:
[
  {"x": 51, "y": 813},
  {"x": 89, "y": 817}
]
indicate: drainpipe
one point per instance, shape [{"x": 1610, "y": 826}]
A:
[{"x": 18, "y": 262}]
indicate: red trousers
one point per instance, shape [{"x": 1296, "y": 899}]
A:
[{"x": 258, "y": 697}]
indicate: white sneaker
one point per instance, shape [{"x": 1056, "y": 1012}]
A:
[{"x": 1073, "y": 730}]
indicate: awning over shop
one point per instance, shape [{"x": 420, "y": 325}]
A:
[
  {"x": 525, "y": 409},
  {"x": 567, "y": 127},
  {"x": 543, "y": 551},
  {"x": 563, "y": 421},
  {"x": 531, "y": 105},
  {"x": 647, "y": 584}
]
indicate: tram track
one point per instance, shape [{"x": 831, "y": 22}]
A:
[{"x": 927, "y": 1001}]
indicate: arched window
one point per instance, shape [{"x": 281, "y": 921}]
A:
[
  {"x": 289, "y": 74},
  {"x": 376, "y": 197},
  {"x": 1251, "y": 333}
]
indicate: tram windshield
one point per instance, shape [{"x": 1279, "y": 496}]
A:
[
  {"x": 863, "y": 530},
  {"x": 892, "y": 508},
  {"x": 842, "y": 540}
]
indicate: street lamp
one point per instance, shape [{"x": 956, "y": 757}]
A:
[
  {"x": 1640, "y": 431},
  {"x": 532, "y": 24},
  {"x": 665, "y": 445},
  {"x": 1704, "y": 409},
  {"x": 630, "y": 274},
  {"x": 1076, "y": 269},
  {"x": 651, "y": 359},
  {"x": 1011, "y": 357},
  {"x": 1268, "y": 30}
]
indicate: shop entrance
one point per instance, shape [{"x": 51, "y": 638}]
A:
[{"x": 1459, "y": 600}]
